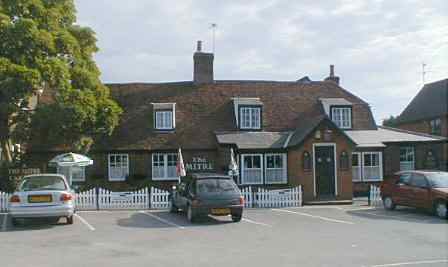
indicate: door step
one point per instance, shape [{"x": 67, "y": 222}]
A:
[{"x": 328, "y": 202}]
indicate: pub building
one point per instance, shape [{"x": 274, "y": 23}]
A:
[{"x": 283, "y": 133}]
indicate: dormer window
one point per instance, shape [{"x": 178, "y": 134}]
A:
[
  {"x": 164, "y": 116},
  {"x": 250, "y": 117},
  {"x": 342, "y": 116},
  {"x": 248, "y": 113}
]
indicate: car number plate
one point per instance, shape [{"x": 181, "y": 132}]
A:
[
  {"x": 224, "y": 211},
  {"x": 39, "y": 198}
]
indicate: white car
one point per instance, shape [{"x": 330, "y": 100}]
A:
[{"x": 42, "y": 196}]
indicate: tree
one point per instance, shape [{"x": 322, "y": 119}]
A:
[
  {"x": 42, "y": 49},
  {"x": 390, "y": 122}
]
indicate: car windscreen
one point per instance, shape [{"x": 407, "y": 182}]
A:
[
  {"x": 41, "y": 183},
  {"x": 210, "y": 186},
  {"x": 438, "y": 179}
]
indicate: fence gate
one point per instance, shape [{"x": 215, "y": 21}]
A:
[{"x": 123, "y": 200}]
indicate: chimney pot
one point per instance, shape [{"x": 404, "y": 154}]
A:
[
  {"x": 203, "y": 66},
  {"x": 332, "y": 77}
]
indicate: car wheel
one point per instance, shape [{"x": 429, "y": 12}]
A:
[
  {"x": 236, "y": 217},
  {"x": 389, "y": 203},
  {"x": 70, "y": 219},
  {"x": 190, "y": 215},
  {"x": 441, "y": 209},
  {"x": 173, "y": 208}
]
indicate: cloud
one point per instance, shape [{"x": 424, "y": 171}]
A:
[{"x": 377, "y": 46}]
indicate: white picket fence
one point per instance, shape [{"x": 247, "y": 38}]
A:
[
  {"x": 86, "y": 200},
  {"x": 4, "y": 200},
  {"x": 160, "y": 199},
  {"x": 248, "y": 196},
  {"x": 138, "y": 199},
  {"x": 375, "y": 196},
  {"x": 154, "y": 198},
  {"x": 278, "y": 198}
]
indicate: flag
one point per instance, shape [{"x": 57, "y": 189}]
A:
[
  {"x": 180, "y": 168},
  {"x": 233, "y": 167}
]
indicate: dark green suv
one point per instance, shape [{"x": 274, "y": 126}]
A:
[{"x": 201, "y": 194}]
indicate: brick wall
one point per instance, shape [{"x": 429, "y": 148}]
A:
[
  {"x": 297, "y": 175},
  {"x": 423, "y": 126}
]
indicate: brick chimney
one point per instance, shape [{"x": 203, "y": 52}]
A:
[
  {"x": 203, "y": 66},
  {"x": 332, "y": 77}
]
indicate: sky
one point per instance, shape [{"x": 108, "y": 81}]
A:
[{"x": 377, "y": 46}]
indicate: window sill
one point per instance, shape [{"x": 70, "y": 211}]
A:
[
  {"x": 166, "y": 179},
  {"x": 117, "y": 180},
  {"x": 164, "y": 130}
]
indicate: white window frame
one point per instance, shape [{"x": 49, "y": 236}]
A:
[
  {"x": 167, "y": 119},
  {"x": 340, "y": 121},
  {"x": 407, "y": 162},
  {"x": 243, "y": 168},
  {"x": 165, "y": 167},
  {"x": 380, "y": 166},
  {"x": 82, "y": 178},
  {"x": 284, "y": 178},
  {"x": 359, "y": 155},
  {"x": 253, "y": 123},
  {"x": 126, "y": 168}
]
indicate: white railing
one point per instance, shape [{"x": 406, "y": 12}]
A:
[
  {"x": 4, "y": 201},
  {"x": 375, "y": 196},
  {"x": 160, "y": 199},
  {"x": 103, "y": 199},
  {"x": 138, "y": 199},
  {"x": 278, "y": 198},
  {"x": 86, "y": 200},
  {"x": 248, "y": 196}
]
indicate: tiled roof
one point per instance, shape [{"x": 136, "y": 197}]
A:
[
  {"x": 203, "y": 110},
  {"x": 430, "y": 102},
  {"x": 384, "y": 135},
  {"x": 253, "y": 140}
]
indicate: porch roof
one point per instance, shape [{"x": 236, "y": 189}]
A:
[
  {"x": 253, "y": 140},
  {"x": 384, "y": 135}
]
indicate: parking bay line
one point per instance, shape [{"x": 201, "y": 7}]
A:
[
  {"x": 162, "y": 220},
  {"x": 91, "y": 228},
  {"x": 5, "y": 221},
  {"x": 314, "y": 216},
  {"x": 257, "y": 223},
  {"x": 410, "y": 263}
]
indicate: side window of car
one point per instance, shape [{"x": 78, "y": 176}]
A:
[
  {"x": 418, "y": 180},
  {"x": 404, "y": 179}
]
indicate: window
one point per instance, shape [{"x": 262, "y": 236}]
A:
[
  {"x": 342, "y": 117},
  {"x": 367, "y": 166},
  {"x": 436, "y": 126},
  {"x": 275, "y": 168},
  {"x": 372, "y": 166},
  {"x": 306, "y": 161},
  {"x": 118, "y": 167},
  {"x": 250, "y": 118},
  {"x": 418, "y": 180},
  {"x": 164, "y": 120},
  {"x": 78, "y": 173},
  {"x": 407, "y": 158},
  {"x": 164, "y": 166},
  {"x": 252, "y": 169},
  {"x": 404, "y": 178},
  {"x": 356, "y": 167}
]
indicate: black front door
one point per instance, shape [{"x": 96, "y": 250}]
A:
[{"x": 324, "y": 167}]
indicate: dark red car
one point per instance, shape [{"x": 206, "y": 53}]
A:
[{"x": 419, "y": 189}]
